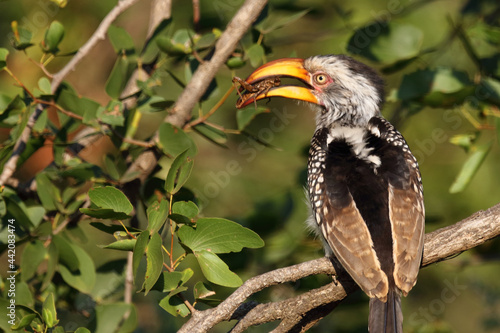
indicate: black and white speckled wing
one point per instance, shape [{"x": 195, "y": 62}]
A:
[
  {"x": 341, "y": 224},
  {"x": 406, "y": 205}
]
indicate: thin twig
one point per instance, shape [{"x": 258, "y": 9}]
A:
[
  {"x": 212, "y": 110},
  {"x": 99, "y": 34}
]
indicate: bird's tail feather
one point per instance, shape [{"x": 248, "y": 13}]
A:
[{"x": 386, "y": 317}]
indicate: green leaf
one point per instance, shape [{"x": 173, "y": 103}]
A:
[
  {"x": 116, "y": 317},
  {"x": 82, "y": 330},
  {"x": 151, "y": 50},
  {"x": 205, "y": 41},
  {"x": 104, "y": 213},
  {"x": 49, "y": 312},
  {"x": 439, "y": 88},
  {"x": 186, "y": 208},
  {"x": 157, "y": 215},
  {"x": 69, "y": 100},
  {"x": 255, "y": 54},
  {"x": 3, "y": 58},
  {"x": 112, "y": 114},
  {"x": 270, "y": 23},
  {"x": 470, "y": 168},
  {"x": 218, "y": 236},
  {"x": 174, "y": 141},
  {"x": 235, "y": 62},
  {"x": 121, "y": 40},
  {"x": 246, "y": 115},
  {"x": 53, "y": 37},
  {"x": 120, "y": 74},
  {"x": 31, "y": 258},
  {"x": 216, "y": 270},
  {"x": 21, "y": 37},
  {"x": 393, "y": 42},
  {"x": 169, "y": 281},
  {"x": 53, "y": 259},
  {"x": 154, "y": 256},
  {"x": 24, "y": 322},
  {"x": 178, "y": 45},
  {"x": 122, "y": 245},
  {"x": 110, "y": 198},
  {"x": 202, "y": 290},
  {"x": 174, "y": 305},
  {"x": 47, "y": 191},
  {"x": 67, "y": 255},
  {"x": 463, "y": 140},
  {"x": 211, "y": 133},
  {"x": 83, "y": 278},
  {"x": 179, "y": 172},
  {"x": 112, "y": 228},
  {"x": 139, "y": 250}
]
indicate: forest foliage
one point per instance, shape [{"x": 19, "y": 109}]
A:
[{"x": 192, "y": 241}]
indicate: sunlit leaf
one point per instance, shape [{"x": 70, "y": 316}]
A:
[
  {"x": 82, "y": 330},
  {"x": 174, "y": 305},
  {"x": 235, "y": 62},
  {"x": 112, "y": 228},
  {"x": 218, "y": 236},
  {"x": 121, "y": 40},
  {"x": 255, "y": 54},
  {"x": 186, "y": 208},
  {"x": 169, "y": 281},
  {"x": 21, "y": 37},
  {"x": 179, "y": 172},
  {"x": 122, "y": 245},
  {"x": 110, "y": 198},
  {"x": 120, "y": 74},
  {"x": 82, "y": 276},
  {"x": 470, "y": 168},
  {"x": 211, "y": 133},
  {"x": 24, "y": 322},
  {"x": 216, "y": 270},
  {"x": 3, "y": 57},
  {"x": 49, "y": 312},
  {"x": 202, "y": 290},
  {"x": 104, "y": 213},
  {"x": 174, "y": 141},
  {"x": 154, "y": 256},
  {"x": 139, "y": 250},
  {"x": 157, "y": 215},
  {"x": 53, "y": 37}
]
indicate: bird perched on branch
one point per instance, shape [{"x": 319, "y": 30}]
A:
[{"x": 364, "y": 183}]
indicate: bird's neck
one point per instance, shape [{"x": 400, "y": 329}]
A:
[{"x": 337, "y": 114}]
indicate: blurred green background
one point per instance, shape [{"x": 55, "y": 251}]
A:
[{"x": 262, "y": 187}]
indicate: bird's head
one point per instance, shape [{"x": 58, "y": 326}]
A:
[{"x": 346, "y": 92}]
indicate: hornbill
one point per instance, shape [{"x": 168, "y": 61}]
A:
[{"x": 364, "y": 184}]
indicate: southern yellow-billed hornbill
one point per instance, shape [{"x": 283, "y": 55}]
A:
[{"x": 364, "y": 183}]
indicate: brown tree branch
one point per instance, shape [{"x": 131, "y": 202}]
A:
[
  {"x": 181, "y": 111},
  {"x": 100, "y": 33},
  {"x": 240, "y": 23},
  {"x": 301, "y": 312}
]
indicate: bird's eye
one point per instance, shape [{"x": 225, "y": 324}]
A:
[{"x": 320, "y": 78}]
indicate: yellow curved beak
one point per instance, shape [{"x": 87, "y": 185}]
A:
[{"x": 286, "y": 67}]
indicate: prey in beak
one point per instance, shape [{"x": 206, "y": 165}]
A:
[{"x": 265, "y": 82}]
